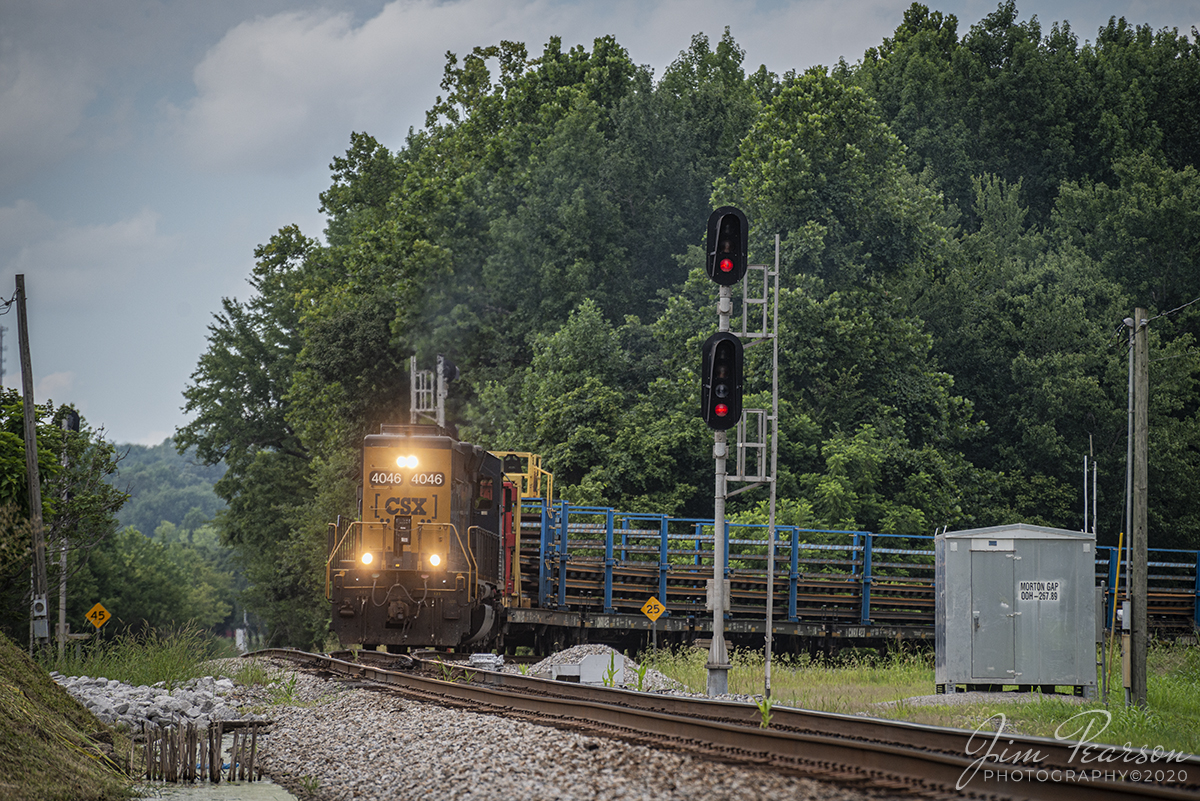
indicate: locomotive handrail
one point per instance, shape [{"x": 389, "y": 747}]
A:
[
  {"x": 333, "y": 552},
  {"x": 472, "y": 565}
]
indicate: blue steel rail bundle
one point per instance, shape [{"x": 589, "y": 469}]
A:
[{"x": 587, "y": 571}]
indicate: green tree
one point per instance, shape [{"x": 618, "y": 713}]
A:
[
  {"x": 1029, "y": 107},
  {"x": 79, "y": 503},
  {"x": 822, "y": 169},
  {"x": 239, "y": 396},
  {"x": 166, "y": 485},
  {"x": 1140, "y": 235}
]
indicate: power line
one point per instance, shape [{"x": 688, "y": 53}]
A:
[{"x": 1176, "y": 309}]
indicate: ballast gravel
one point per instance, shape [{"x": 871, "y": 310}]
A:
[
  {"x": 339, "y": 742},
  {"x": 335, "y": 740}
]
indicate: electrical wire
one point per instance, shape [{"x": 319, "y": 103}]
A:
[{"x": 1172, "y": 311}]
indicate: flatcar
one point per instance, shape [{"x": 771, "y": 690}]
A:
[{"x": 421, "y": 567}]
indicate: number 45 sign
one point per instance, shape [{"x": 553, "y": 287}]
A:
[
  {"x": 98, "y": 615},
  {"x": 653, "y": 609}
]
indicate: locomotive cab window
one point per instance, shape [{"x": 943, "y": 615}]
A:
[{"x": 485, "y": 493}]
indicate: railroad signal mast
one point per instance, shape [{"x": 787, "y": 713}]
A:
[{"x": 721, "y": 387}]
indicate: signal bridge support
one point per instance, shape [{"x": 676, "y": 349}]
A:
[
  {"x": 760, "y": 324},
  {"x": 428, "y": 390}
]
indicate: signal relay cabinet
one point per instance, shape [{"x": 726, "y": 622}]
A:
[{"x": 1015, "y": 605}]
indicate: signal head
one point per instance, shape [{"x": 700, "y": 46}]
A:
[
  {"x": 721, "y": 381},
  {"x": 727, "y": 246}
]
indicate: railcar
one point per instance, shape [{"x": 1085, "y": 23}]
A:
[
  {"x": 460, "y": 548},
  {"x": 421, "y": 567}
]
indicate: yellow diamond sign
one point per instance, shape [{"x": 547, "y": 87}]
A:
[
  {"x": 98, "y": 615},
  {"x": 653, "y": 609}
]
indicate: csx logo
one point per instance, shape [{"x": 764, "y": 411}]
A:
[{"x": 405, "y": 506}]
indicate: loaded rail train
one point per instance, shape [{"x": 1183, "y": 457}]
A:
[{"x": 456, "y": 547}]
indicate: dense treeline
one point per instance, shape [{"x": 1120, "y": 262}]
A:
[
  {"x": 97, "y": 500},
  {"x": 965, "y": 221},
  {"x": 79, "y": 506},
  {"x": 165, "y": 486}
]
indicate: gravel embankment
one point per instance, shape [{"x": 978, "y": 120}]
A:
[
  {"x": 336, "y": 741},
  {"x": 353, "y": 743}
]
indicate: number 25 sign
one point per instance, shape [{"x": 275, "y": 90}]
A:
[{"x": 653, "y": 609}]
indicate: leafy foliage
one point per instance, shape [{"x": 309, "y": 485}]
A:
[
  {"x": 164, "y": 485},
  {"x": 79, "y": 503},
  {"x": 964, "y": 222}
]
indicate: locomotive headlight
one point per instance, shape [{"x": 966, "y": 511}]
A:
[
  {"x": 434, "y": 559},
  {"x": 406, "y": 461},
  {"x": 367, "y": 557}
]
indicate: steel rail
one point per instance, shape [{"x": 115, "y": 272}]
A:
[{"x": 893, "y": 755}]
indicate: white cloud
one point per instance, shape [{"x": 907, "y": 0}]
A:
[
  {"x": 288, "y": 89},
  {"x": 42, "y": 103},
  {"x": 21, "y": 222},
  {"x": 82, "y": 265},
  {"x": 282, "y": 92},
  {"x": 56, "y": 387}
]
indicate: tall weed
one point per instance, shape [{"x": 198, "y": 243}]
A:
[{"x": 148, "y": 657}]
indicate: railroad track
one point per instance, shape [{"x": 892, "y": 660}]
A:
[{"x": 897, "y": 757}]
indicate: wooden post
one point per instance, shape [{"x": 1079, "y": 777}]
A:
[
  {"x": 253, "y": 747},
  {"x": 189, "y": 753},
  {"x": 31, "y": 469},
  {"x": 1138, "y": 567},
  {"x": 233, "y": 754},
  {"x": 216, "y": 754}
]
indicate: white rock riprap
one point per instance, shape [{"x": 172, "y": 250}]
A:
[
  {"x": 199, "y": 701},
  {"x": 339, "y": 742},
  {"x": 652, "y": 681}
]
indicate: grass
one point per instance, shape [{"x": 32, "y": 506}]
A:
[
  {"x": 861, "y": 683},
  {"x": 172, "y": 657},
  {"x": 850, "y": 685},
  {"x": 51, "y": 748}
]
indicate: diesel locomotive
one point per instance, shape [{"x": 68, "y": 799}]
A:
[{"x": 422, "y": 566}]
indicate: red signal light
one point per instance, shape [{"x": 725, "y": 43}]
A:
[
  {"x": 726, "y": 247},
  {"x": 721, "y": 379}
]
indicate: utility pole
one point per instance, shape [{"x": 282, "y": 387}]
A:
[
  {"x": 39, "y": 626},
  {"x": 3, "y": 348},
  {"x": 70, "y": 423},
  {"x": 1138, "y": 567}
]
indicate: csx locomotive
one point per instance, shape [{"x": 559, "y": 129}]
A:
[{"x": 422, "y": 566}]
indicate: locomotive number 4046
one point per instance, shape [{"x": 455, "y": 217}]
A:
[{"x": 380, "y": 478}]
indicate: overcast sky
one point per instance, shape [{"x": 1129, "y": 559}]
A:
[{"x": 147, "y": 147}]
